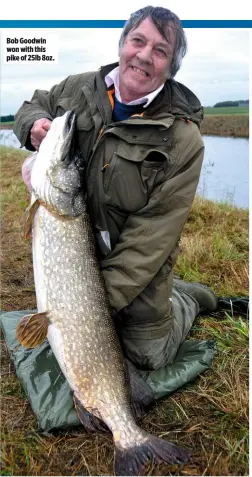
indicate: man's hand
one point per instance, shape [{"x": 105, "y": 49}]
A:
[{"x": 39, "y": 131}]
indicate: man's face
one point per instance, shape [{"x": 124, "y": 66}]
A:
[{"x": 145, "y": 60}]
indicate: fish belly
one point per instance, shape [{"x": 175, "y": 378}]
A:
[
  {"x": 41, "y": 221},
  {"x": 38, "y": 259}
]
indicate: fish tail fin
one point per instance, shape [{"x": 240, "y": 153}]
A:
[{"x": 131, "y": 461}]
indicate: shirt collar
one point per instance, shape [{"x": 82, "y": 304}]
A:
[{"x": 113, "y": 78}]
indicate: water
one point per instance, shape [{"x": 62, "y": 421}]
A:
[
  {"x": 8, "y": 138},
  {"x": 225, "y": 171}
]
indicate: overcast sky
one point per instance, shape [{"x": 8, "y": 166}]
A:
[{"x": 216, "y": 67}]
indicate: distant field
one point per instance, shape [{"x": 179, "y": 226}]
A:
[
  {"x": 7, "y": 125},
  {"x": 226, "y": 110}
]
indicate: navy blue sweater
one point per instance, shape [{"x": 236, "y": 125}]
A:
[{"x": 124, "y": 111}]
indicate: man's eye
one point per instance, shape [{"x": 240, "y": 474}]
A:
[
  {"x": 137, "y": 40},
  {"x": 161, "y": 52}
]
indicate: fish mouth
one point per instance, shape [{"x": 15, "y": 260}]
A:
[
  {"x": 68, "y": 142},
  {"x": 69, "y": 122}
]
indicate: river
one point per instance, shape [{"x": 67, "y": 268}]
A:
[{"x": 225, "y": 170}]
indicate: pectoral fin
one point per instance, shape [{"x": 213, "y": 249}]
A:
[
  {"x": 89, "y": 421},
  {"x": 29, "y": 215},
  {"x": 32, "y": 329}
]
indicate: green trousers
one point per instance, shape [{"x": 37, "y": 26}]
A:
[{"x": 154, "y": 347}]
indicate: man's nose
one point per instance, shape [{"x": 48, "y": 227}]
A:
[{"x": 145, "y": 54}]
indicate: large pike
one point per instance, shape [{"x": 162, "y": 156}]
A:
[{"x": 73, "y": 309}]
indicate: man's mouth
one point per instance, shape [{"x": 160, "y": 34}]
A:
[{"x": 137, "y": 70}]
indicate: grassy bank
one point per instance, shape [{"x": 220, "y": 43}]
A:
[
  {"x": 209, "y": 416},
  {"x": 234, "y": 125}
]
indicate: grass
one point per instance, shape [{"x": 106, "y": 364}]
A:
[
  {"x": 227, "y": 110},
  {"x": 6, "y": 125},
  {"x": 209, "y": 415},
  {"x": 215, "y": 247},
  {"x": 235, "y": 125}
]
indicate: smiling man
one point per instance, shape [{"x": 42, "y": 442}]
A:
[
  {"x": 139, "y": 141},
  {"x": 145, "y": 60}
]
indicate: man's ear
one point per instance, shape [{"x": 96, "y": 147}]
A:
[{"x": 168, "y": 75}]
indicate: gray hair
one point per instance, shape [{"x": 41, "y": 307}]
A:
[{"x": 161, "y": 18}]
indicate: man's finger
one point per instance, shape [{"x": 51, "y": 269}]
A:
[{"x": 47, "y": 125}]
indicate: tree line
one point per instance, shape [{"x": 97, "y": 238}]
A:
[
  {"x": 224, "y": 104},
  {"x": 7, "y": 119}
]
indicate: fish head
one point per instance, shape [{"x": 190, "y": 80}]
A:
[
  {"x": 62, "y": 131},
  {"x": 56, "y": 177}
]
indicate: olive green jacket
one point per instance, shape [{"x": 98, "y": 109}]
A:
[{"x": 141, "y": 178}]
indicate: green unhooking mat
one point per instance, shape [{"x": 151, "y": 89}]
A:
[{"x": 49, "y": 393}]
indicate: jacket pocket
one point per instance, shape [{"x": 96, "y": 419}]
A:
[
  {"x": 141, "y": 152},
  {"x": 154, "y": 168},
  {"x": 122, "y": 181},
  {"x": 130, "y": 176},
  {"x": 134, "y": 161}
]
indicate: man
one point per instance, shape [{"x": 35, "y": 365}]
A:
[{"x": 139, "y": 139}]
